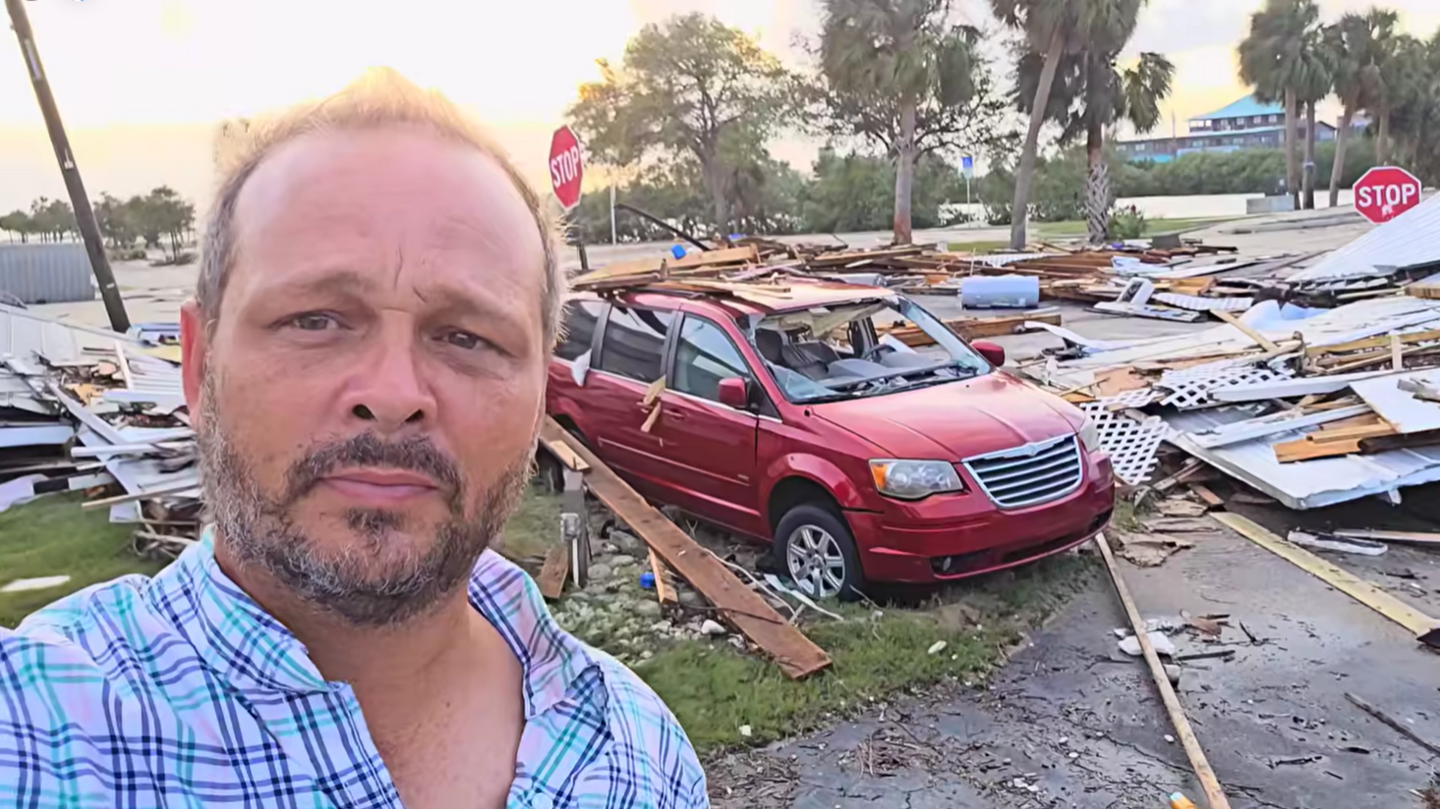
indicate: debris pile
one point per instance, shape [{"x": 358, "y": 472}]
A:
[
  {"x": 83, "y": 409},
  {"x": 1055, "y": 272}
]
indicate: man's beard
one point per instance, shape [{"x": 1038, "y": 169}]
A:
[{"x": 257, "y": 528}]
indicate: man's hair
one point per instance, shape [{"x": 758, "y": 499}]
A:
[{"x": 380, "y": 98}]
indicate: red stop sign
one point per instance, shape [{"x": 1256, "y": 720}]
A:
[
  {"x": 1385, "y": 192},
  {"x": 565, "y": 168}
]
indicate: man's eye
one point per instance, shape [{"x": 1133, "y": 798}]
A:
[
  {"x": 463, "y": 339},
  {"x": 313, "y": 322}
]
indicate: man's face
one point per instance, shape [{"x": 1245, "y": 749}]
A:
[{"x": 368, "y": 398}]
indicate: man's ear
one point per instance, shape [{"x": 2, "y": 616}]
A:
[{"x": 194, "y": 348}]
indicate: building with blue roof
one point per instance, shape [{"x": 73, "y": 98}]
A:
[{"x": 1242, "y": 124}]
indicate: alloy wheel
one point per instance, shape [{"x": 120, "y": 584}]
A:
[{"x": 815, "y": 561}]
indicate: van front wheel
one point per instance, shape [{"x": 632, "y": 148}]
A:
[{"x": 819, "y": 553}]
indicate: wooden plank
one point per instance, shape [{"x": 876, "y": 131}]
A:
[
  {"x": 1350, "y": 434},
  {"x": 662, "y": 587},
  {"x": 567, "y": 456},
  {"x": 1303, "y": 450},
  {"x": 974, "y": 328},
  {"x": 653, "y": 392},
  {"x": 1214, "y": 793},
  {"x": 1368, "y": 343},
  {"x": 1398, "y": 727},
  {"x": 1397, "y": 354},
  {"x": 1209, "y": 497},
  {"x": 651, "y": 419},
  {"x": 796, "y": 655},
  {"x": 1414, "y": 621},
  {"x": 1423, "y": 538},
  {"x": 555, "y": 571},
  {"x": 1259, "y": 339}
]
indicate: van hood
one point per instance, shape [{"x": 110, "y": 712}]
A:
[{"x": 957, "y": 420}]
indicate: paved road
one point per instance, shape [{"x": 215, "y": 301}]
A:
[{"x": 1084, "y": 726}]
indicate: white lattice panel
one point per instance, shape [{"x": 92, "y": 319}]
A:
[
  {"x": 1131, "y": 444},
  {"x": 1130, "y": 398},
  {"x": 1192, "y": 391}
]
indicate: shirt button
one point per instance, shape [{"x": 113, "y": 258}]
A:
[{"x": 541, "y": 801}]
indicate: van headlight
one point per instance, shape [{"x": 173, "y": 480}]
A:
[
  {"x": 912, "y": 480},
  {"x": 1090, "y": 434}
]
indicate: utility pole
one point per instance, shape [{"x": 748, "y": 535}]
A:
[{"x": 84, "y": 216}]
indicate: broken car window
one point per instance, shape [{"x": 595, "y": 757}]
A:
[
  {"x": 634, "y": 343},
  {"x": 580, "y": 319},
  {"x": 703, "y": 357},
  {"x": 844, "y": 351}
]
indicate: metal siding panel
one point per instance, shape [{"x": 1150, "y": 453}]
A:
[
  {"x": 46, "y": 273},
  {"x": 1407, "y": 240}
]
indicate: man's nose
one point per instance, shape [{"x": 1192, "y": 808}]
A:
[{"x": 389, "y": 392}]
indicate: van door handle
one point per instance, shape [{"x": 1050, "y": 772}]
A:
[{"x": 676, "y": 415}]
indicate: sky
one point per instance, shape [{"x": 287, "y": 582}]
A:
[{"x": 142, "y": 83}]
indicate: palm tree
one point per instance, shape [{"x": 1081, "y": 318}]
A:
[
  {"x": 1357, "y": 44},
  {"x": 1089, "y": 94},
  {"x": 1401, "y": 74},
  {"x": 1415, "y": 121},
  {"x": 1314, "y": 76},
  {"x": 906, "y": 65},
  {"x": 1270, "y": 59},
  {"x": 1055, "y": 28}
]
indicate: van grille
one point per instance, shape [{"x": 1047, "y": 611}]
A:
[{"x": 1029, "y": 475}]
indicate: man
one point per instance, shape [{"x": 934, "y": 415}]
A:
[{"x": 364, "y": 364}]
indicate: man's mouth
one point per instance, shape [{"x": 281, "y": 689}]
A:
[{"x": 380, "y": 487}]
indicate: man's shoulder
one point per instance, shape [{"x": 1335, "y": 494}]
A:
[{"x": 109, "y": 632}]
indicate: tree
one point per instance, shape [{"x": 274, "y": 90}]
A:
[
  {"x": 1271, "y": 62},
  {"x": 1090, "y": 93},
  {"x": 1055, "y": 28},
  {"x": 855, "y": 192},
  {"x": 1402, "y": 76},
  {"x": 1314, "y": 76},
  {"x": 687, "y": 88},
  {"x": 1415, "y": 121},
  {"x": 898, "y": 75},
  {"x": 17, "y": 223},
  {"x": 116, "y": 221},
  {"x": 1357, "y": 45}
]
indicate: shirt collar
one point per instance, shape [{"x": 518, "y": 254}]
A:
[{"x": 249, "y": 649}]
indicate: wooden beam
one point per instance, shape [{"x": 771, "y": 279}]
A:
[
  {"x": 662, "y": 587},
  {"x": 1259, "y": 339},
  {"x": 1214, "y": 793},
  {"x": 555, "y": 571},
  {"x": 1371, "y": 343},
  {"x": 1397, "y": 352},
  {"x": 1402, "y": 537},
  {"x": 1414, "y": 621},
  {"x": 1210, "y": 498},
  {"x": 567, "y": 456},
  {"x": 796, "y": 655}
]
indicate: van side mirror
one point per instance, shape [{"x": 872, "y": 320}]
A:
[
  {"x": 735, "y": 392},
  {"x": 993, "y": 354}
]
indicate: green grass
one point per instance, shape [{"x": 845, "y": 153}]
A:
[
  {"x": 977, "y": 246},
  {"x": 1125, "y": 518},
  {"x": 1153, "y": 227},
  {"x": 715, "y": 690},
  {"x": 51, "y": 536},
  {"x": 535, "y": 526}
]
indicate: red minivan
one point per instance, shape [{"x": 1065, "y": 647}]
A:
[{"x": 802, "y": 421}]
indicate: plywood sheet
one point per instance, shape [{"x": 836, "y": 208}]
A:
[{"x": 1402, "y": 409}]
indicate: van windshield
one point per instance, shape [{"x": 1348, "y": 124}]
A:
[{"x": 866, "y": 348}]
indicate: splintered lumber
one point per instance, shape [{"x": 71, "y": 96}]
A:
[
  {"x": 1259, "y": 339},
  {"x": 974, "y": 328},
  {"x": 567, "y": 456},
  {"x": 653, "y": 392},
  {"x": 1414, "y": 621},
  {"x": 553, "y": 573},
  {"x": 1214, "y": 793},
  {"x": 662, "y": 587},
  {"x": 1397, "y": 726},
  {"x": 796, "y": 655},
  {"x": 1401, "y": 537},
  {"x": 1207, "y": 496}
]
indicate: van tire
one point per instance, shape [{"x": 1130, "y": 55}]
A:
[{"x": 815, "y": 533}]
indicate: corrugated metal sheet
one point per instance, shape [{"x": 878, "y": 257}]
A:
[
  {"x": 1405, "y": 411},
  {"x": 46, "y": 273},
  {"x": 1305, "y": 484},
  {"x": 24, "y": 334},
  {"x": 1410, "y": 239}
]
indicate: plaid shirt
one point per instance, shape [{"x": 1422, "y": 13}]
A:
[{"x": 181, "y": 691}]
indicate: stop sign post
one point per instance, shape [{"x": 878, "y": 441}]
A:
[{"x": 1385, "y": 192}]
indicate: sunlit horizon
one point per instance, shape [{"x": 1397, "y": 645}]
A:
[{"x": 142, "y": 83}]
